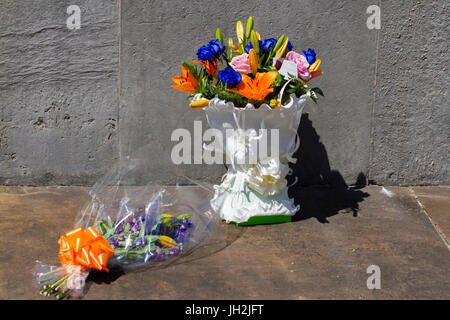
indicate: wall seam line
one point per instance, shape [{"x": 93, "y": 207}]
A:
[
  {"x": 119, "y": 85},
  {"x": 374, "y": 93}
]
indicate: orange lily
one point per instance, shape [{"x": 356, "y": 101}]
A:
[
  {"x": 187, "y": 82},
  {"x": 314, "y": 69},
  {"x": 235, "y": 48},
  {"x": 258, "y": 88},
  {"x": 211, "y": 67}
]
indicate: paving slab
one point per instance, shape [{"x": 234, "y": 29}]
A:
[
  {"x": 323, "y": 254},
  {"x": 436, "y": 203}
]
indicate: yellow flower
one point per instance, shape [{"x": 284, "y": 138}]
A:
[
  {"x": 199, "y": 104},
  {"x": 274, "y": 103},
  {"x": 314, "y": 69}
]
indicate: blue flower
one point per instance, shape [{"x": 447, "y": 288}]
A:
[
  {"x": 229, "y": 77},
  {"x": 310, "y": 55},
  {"x": 290, "y": 46},
  {"x": 216, "y": 47},
  {"x": 250, "y": 46},
  {"x": 205, "y": 53},
  {"x": 269, "y": 43}
]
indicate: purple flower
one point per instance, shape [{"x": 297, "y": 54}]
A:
[
  {"x": 131, "y": 222},
  {"x": 115, "y": 243},
  {"x": 140, "y": 242},
  {"x": 119, "y": 229},
  {"x": 137, "y": 227}
]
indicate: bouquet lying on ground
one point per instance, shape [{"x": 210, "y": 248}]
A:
[
  {"x": 254, "y": 71},
  {"x": 129, "y": 222}
]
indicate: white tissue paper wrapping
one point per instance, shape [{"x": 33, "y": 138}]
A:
[{"x": 259, "y": 187}]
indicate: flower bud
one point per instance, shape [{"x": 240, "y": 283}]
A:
[
  {"x": 249, "y": 27},
  {"x": 253, "y": 60},
  {"x": 283, "y": 50},
  {"x": 240, "y": 32},
  {"x": 219, "y": 35},
  {"x": 230, "y": 46},
  {"x": 279, "y": 43},
  {"x": 255, "y": 41},
  {"x": 199, "y": 104}
]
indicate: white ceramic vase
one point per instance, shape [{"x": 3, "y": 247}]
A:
[{"x": 255, "y": 184}]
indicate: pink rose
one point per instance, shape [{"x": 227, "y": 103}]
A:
[
  {"x": 241, "y": 64},
  {"x": 302, "y": 64}
]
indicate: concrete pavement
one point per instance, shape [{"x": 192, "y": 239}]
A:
[{"x": 323, "y": 254}]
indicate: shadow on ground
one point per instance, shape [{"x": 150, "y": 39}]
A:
[{"x": 320, "y": 191}]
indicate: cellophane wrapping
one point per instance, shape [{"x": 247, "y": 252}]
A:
[{"x": 145, "y": 223}]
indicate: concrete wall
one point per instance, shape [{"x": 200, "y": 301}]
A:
[
  {"x": 58, "y": 92},
  {"x": 70, "y": 106},
  {"x": 411, "y": 116}
]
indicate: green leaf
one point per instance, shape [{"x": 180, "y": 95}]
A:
[
  {"x": 278, "y": 80},
  {"x": 318, "y": 91},
  {"x": 151, "y": 238},
  {"x": 313, "y": 96},
  {"x": 191, "y": 69},
  {"x": 110, "y": 222},
  {"x": 102, "y": 228},
  {"x": 187, "y": 215}
]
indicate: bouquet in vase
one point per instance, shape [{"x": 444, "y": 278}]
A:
[{"x": 252, "y": 92}]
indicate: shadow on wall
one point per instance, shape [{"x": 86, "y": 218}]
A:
[{"x": 320, "y": 191}]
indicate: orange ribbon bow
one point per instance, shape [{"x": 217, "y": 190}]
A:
[{"x": 85, "y": 248}]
